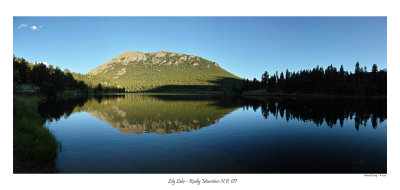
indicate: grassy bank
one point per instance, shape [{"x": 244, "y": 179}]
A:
[{"x": 35, "y": 148}]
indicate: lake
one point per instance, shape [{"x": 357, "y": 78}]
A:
[{"x": 161, "y": 133}]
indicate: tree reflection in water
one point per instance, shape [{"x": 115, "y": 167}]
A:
[
  {"x": 206, "y": 110},
  {"x": 318, "y": 110}
]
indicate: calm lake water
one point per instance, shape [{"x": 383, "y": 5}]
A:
[{"x": 135, "y": 133}]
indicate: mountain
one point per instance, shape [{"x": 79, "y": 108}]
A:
[{"x": 164, "y": 71}]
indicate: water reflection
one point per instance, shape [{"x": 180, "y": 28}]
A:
[
  {"x": 54, "y": 110},
  {"x": 320, "y": 110},
  {"x": 137, "y": 114},
  {"x": 283, "y": 135},
  {"x": 164, "y": 114}
]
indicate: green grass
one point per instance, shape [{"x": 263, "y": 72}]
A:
[{"x": 34, "y": 145}]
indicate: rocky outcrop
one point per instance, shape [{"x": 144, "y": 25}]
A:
[{"x": 154, "y": 58}]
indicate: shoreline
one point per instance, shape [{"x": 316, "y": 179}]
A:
[
  {"x": 34, "y": 146},
  {"x": 259, "y": 93}
]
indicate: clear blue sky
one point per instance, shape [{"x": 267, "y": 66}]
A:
[{"x": 245, "y": 46}]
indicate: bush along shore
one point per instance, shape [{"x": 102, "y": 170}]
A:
[{"x": 35, "y": 147}]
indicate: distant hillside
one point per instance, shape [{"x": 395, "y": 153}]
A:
[
  {"x": 93, "y": 80},
  {"x": 164, "y": 71}
]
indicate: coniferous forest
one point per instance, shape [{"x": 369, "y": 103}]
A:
[
  {"x": 329, "y": 81},
  {"x": 52, "y": 80},
  {"x": 318, "y": 80}
]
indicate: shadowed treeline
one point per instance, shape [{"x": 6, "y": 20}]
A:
[
  {"x": 51, "y": 82},
  {"x": 319, "y": 81},
  {"x": 320, "y": 110},
  {"x": 221, "y": 84}
]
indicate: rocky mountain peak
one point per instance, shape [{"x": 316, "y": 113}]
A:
[{"x": 154, "y": 58}]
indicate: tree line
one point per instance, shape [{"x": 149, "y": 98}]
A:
[
  {"x": 51, "y": 80},
  {"x": 100, "y": 89},
  {"x": 323, "y": 81}
]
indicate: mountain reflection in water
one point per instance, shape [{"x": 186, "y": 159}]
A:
[
  {"x": 164, "y": 114},
  {"x": 126, "y": 133}
]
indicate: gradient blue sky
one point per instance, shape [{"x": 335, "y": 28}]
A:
[{"x": 245, "y": 46}]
